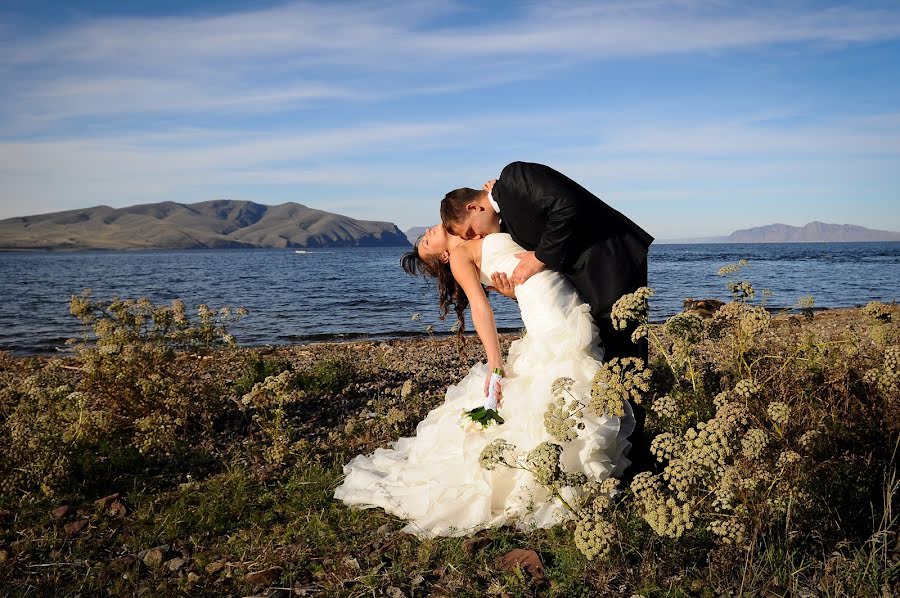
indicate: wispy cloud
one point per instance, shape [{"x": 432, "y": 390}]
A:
[
  {"x": 377, "y": 105},
  {"x": 284, "y": 57}
]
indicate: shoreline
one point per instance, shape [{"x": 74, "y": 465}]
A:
[{"x": 439, "y": 336}]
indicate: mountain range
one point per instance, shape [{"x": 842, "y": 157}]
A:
[
  {"x": 814, "y": 232},
  {"x": 218, "y": 223}
]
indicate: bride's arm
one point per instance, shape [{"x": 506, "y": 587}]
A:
[{"x": 466, "y": 274}]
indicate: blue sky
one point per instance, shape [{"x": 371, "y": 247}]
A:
[{"x": 693, "y": 118}]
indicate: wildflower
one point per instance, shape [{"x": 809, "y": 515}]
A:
[
  {"x": 809, "y": 440},
  {"x": 788, "y": 458},
  {"x": 754, "y": 443},
  {"x": 686, "y": 327},
  {"x": 731, "y": 530},
  {"x": 640, "y": 332},
  {"x": 631, "y": 307},
  {"x": 745, "y": 389},
  {"x": 617, "y": 381},
  {"x": 395, "y": 416},
  {"x": 594, "y": 537},
  {"x": 664, "y": 446},
  {"x": 559, "y": 421},
  {"x": 778, "y": 412},
  {"x": 543, "y": 462},
  {"x": 494, "y": 454},
  {"x": 877, "y": 311},
  {"x": 561, "y": 386},
  {"x": 731, "y": 268},
  {"x": 742, "y": 290},
  {"x": 666, "y": 406}
]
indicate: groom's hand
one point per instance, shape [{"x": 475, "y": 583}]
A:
[
  {"x": 503, "y": 285},
  {"x": 528, "y": 266}
]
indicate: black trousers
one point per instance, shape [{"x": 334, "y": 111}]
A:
[{"x": 601, "y": 275}]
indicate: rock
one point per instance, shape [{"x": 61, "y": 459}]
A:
[
  {"x": 472, "y": 545},
  {"x": 74, "y": 528},
  {"x": 384, "y": 529},
  {"x": 154, "y": 557},
  {"x": 60, "y": 512},
  {"x": 702, "y": 307},
  {"x": 117, "y": 509},
  {"x": 123, "y": 563},
  {"x": 263, "y": 578},
  {"x": 103, "y": 503},
  {"x": 176, "y": 563},
  {"x": 395, "y": 592},
  {"x": 352, "y": 563},
  {"x": 417, "y": 580},
  {"x": 528, "y": 560},
  {"x": 406, "y": 389},
  {"x": 193, "y": 577},
  {"x": 215, "y": 567}
]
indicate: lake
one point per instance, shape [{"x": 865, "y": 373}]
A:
[{"x": 342, "y": 293}]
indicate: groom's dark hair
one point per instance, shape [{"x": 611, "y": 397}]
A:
[{"x": 453, "y": 206}]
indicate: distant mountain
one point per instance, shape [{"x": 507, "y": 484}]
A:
[
  {"x": 412, "y": 234},
  {"x": 209, "y": 224},
  {"x": 814, "y": 232}
]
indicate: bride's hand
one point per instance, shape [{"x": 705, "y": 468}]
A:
[
  {"x": 487, "y": 387},
  {"x": 489, "y": 186},
  {"x": 503, "y": 285}
]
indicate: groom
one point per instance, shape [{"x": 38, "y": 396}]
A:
[{"x": 566, "y": 228}]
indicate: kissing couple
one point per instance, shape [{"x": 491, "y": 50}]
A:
[{"x": 565, "y": 256}]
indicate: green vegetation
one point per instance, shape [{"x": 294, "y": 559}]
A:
[{"x": 160, "y": 458}]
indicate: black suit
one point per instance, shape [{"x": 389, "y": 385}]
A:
[
  {"x": 574, "y": 232},
  {"x": 601, "y": 251}
]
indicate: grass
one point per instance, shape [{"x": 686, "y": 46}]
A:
[{"x": 218, "y": 500}]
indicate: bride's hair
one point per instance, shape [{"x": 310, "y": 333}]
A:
[{"x": 450, "y": 294}]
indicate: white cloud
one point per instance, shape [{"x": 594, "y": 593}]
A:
[{"x": 282, "y": 57}]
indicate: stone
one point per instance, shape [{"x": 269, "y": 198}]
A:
[
  {"x": 215, "y": 567},
  {"x": 704, "y": 308},
  {"x": 472, "y": 545},
  {"x": 193, "y": 577},
  {"x": 74, "y": 528},
  {"x": 60, "y": 512},
  {"x": 176, "y": 563},
  {"x": 528, "y": 560},
  {"x": 103, "y": 503},
  {"x": 154, "y": 557},
  {"x": 117, "y": 509},
  {"x": 123, "y": 562},
  {"x": 384, "y": 529},
  {"x": 263, "y": 578}
]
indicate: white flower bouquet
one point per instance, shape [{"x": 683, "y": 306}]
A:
[{"x": 487, "y": 414}]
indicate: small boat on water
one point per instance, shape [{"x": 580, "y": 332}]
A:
[{"x": 299, "y": 251}]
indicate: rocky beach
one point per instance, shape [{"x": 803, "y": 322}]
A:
[{"x": 210, "y": 471}]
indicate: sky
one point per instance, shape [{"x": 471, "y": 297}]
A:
[{"x": 694, "y": 118}]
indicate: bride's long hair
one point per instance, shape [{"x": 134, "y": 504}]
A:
[{"x": 450, "y": 294}]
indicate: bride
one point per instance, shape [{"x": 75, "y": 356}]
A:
[{"x": 434, "y": 480}]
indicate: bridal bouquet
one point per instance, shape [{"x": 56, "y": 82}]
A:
[{"x": 487, "y": 415}]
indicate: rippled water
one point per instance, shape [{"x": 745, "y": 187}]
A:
[{"x": 342, "y": 293}]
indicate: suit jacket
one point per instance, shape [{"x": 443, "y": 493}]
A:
[{"x": 548, "y": 213}]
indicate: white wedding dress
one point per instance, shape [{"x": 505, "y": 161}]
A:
[{"x": 434, "y": 480}]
